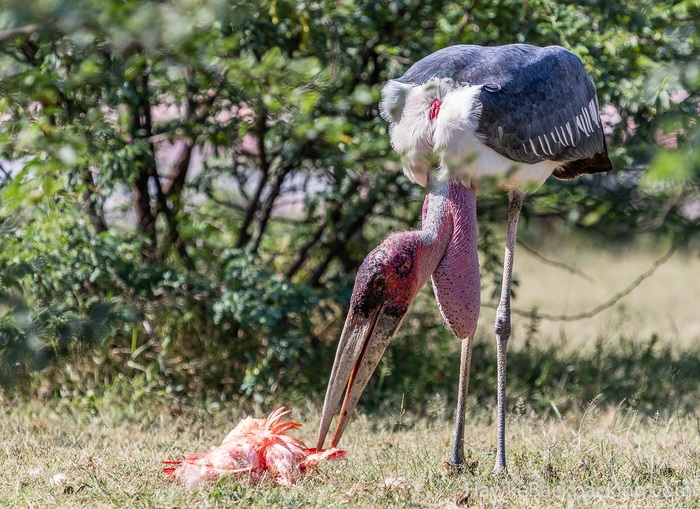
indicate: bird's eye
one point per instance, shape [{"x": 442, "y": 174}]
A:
[{"x": 405, "y": 267}]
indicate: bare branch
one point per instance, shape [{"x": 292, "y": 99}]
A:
[
  {"x": 240, "y": 208},
  {"x": 142, "y": 198},
  {"x": 178, "y": 171},
  {"x": 602, "y": 307},
  {"x": 224, "y": 203},
  {"x": 268, "y": 206},
  {"x": 91, "y": 203},
  {"x": 6, "y": 174},
  {"x": 397, "y": 58},
  {"x": 241, "y": 178},
  {"x": 554, "y": 263},
  {"x": 335, "y": 214},
  {"x": 142, "y": 127},
  {"x": 336, "y": 247},
  {"x": 304, "y": 251},
  {"x": 261, "y": 132},
  {"x": 463, "y": 24},
  {"x": 16, "y": 32},
  {"x": 658, "y": 221}
]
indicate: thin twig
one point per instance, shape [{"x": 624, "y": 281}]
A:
[
  {"x": 240, "y": 208},
  {"x": 555, "y": 263},
  {"x": 6, "y": 173},
  {"x": 15, "y": 32},
  {"x": 611, "y": 302},
  {"x": 463, "y": 24},
  {"x": 397, "y": 58},
  {"x": 666, "y": 207}
]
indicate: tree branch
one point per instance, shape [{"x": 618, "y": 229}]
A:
[
  {"x": 95, "y": 212},
  {"x": 335, "y": 213},
  {"x": 666, "y": 207},
  {"x": 6, "y": 174},
  {"x": 142, "y": 128},
  {"x": 304, "y": 251},
  {"x": 463, "y": 24},
  {"x": 554, "y": 263},
  {"x": 261, "y": 131},
  {"x": 142, "y": 198},
  {"x": 73, "y": 108},
  {"x": 268, "y": 206},
  {"x": 178, "y": 172},
  {"x": 397, "y": 58},
  {"x": 26, "y": 30},
  {"x": 602, "y": 307},
  {"x": 337, "y": 247}
]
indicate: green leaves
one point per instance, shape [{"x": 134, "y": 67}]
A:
[
  {"x": 278, "y": 313},
  {"x": 219, "y": 169}
]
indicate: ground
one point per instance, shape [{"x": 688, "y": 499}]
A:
[{"x": 62, "y": 456}]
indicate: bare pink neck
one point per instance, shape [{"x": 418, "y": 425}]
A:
[
  {"x": 450, "y": 239},
  {"x": 437, "y": 228}
]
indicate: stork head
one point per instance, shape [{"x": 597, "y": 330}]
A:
[{"x": 386, "y": 284}]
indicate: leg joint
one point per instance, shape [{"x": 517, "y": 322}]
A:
[{"x": 502, "y": 325}]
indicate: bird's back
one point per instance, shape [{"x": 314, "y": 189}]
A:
[{"x": 519, "y": 110}]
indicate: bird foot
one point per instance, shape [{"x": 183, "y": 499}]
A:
[
  {"x": 467, "y": 466},
  {"x": 499, "y": 471},
  {"x": 459, "y": 468}
]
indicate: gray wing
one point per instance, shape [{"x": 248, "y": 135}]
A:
[{"x": 537, "y": 103}]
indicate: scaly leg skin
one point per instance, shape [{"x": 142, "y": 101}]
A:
[
  {"x": 502, "y": 326},
  {"x": 465, "y": 362}
]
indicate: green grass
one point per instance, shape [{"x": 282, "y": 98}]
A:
[{"x": 593, "y": 457}]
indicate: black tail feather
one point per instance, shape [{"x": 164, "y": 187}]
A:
[{"x": 598, "y": 163}]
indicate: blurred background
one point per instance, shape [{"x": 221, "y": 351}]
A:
[{"x": 187, "y": 189}]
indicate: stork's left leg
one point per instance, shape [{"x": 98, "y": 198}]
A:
[
  {"x": 502, "y": 325},
  {"x": 465, "y": 362}
]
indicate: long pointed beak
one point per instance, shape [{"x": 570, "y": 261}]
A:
[{"x": 361, "y": 346}]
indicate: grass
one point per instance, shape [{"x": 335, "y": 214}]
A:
[
  {"x": 665, "y": 304},
  {"x": 602, "y": 413},
  {"x": 66, "y": 454}
]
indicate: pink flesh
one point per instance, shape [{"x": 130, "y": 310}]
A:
[{"x": 435, "y": 109}]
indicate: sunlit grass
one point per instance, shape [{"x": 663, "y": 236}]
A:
[
  {"x": 665, "y": 304},
  {"x": 62, "y": 455}
]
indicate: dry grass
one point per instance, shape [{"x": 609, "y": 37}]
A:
[
  {"x": 65, "y": 456},
  {"x": 665, "y": 304}
]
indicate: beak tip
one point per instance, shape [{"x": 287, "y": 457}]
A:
[{"x": 361, "y": 346}]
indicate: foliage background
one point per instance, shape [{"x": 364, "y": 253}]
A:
[{"x": 187, "y": 187}]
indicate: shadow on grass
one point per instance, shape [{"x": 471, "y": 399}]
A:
[
  {"x": 644, "y": 374},
  {"x": 420, "y": 369}
]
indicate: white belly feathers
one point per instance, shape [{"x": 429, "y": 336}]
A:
[{"x": 434, "y": 125}]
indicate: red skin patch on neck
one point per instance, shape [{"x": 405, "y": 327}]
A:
[{"x": 435, "y": 109}]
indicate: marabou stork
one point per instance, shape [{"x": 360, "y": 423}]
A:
[{"x": 517, "y": 113}]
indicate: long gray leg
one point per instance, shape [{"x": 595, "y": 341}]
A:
[
  {"x": 465, "y": 362},
  {"x": 502, "y": 325}
]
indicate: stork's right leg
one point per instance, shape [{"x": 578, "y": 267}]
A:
[
  {"x": 465, "y": 362},
  {"x": 457, "y": 286},
  {"x": 502, "y": 326}
]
